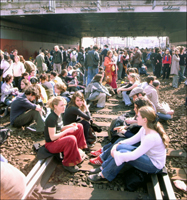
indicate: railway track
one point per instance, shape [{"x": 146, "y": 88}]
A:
[{"x": 48, "y": 180}]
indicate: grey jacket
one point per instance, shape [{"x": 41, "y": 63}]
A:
[
  {"x": 175, "y": 65},
  {"x": 92, "y": 59},
  {"x": 94, "y": 89},
  {"x": 39, "y": 60}
]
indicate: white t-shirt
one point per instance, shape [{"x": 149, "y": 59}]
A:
[
  {"x": 151, "y": 145},
  {"x": 18, "y": 69},
  {"x": 7, "y": 68}
]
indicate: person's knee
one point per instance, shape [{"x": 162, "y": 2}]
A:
[
  {"x": 80, "y": 126},
  {"x": 71, "y": 139}
]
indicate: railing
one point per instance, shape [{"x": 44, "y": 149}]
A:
[{"x": 102, "y": 2}]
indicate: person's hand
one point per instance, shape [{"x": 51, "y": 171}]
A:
[
  {"x": 129, "y": 121},
  {"x": 38, "y": 108},
  {"x": 84, "y": 103},
  {"x": 120, "y": 129},
  {"x": 15, "y": 89},
  {"x": 171, "y": 112},
  {"x": 75, "y": 128},
  {"x": 73, "y": 124},
  {"x": 118, "y": 90}
]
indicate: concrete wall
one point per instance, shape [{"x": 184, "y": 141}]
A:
[{"x": 28, "y": 40}]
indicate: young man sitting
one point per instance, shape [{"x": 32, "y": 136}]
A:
[{"x": 24, "y": 112}]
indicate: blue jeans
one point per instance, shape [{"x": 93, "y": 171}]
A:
[
  {"x": 164, "y": 116},
  {"x": 120, "y": 66},
  {"x": 107, "y": 148},
  {"x": 8, "y": 102},
  {"x": 126, "y": 98},
  {"x": 181, "y": 74},
  {"x": 153, "y": 67},
  {"x": 91, "y": 73},
  {"x": 143, "y": 163}
]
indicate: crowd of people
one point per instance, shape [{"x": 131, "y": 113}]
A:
[{"x": 53, "y": 94}]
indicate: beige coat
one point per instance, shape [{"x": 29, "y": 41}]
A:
[
  {"x": 175, "y": 65},
  {"x": 152, "y": 95}
]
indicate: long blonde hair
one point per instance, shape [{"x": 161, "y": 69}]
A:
[
  {"x": 152, "y": 123},
  {"x": 55, "y": 101}
]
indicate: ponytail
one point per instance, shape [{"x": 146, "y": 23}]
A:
[{"x": 153, "y": 123}]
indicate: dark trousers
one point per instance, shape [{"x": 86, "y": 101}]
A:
[
  {"x": 157, "y": 70},
  {"x": 16, "y": 80},
  {"x": 166, "y": 71},
  {"x": 28, "y": 117}
]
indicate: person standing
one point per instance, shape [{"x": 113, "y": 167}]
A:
[
  {"x": 14, "y": 53},
  {"x": 92, "y": 61},
  {"x": 136, "y": 58},
  {"x": 182, "y": 64},
  {"x": 57, "y": 60},
  {"x": 152, "y": 58},
  {"x": 110, "y": 70},
  {"x": 104, "y": 54},
  {"x": 175, "y": 68},
  {"x": 39, "y": 62},
  {"x": 18, "y": 70},
  {"x": 158, "y": 64},
  {"x": 166, "y": 64}
]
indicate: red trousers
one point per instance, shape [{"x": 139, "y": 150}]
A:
[{"x": 69, "y": 145}]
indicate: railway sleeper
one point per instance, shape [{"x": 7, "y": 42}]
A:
[
  {"x": 162, "y": 187},
  {"x": 38, "y": 177}
]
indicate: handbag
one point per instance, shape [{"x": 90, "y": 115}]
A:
[
  {"x": 95, "y": 127},
  {"x": 4, "y": 134},
  {"x": 113, "y": 68}
]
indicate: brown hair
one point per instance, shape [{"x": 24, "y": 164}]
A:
[
  {"x": 152, "y": 123},
  {"x": 8, "y": 77},
  {"x": 97, "y": 77},
  {"x": 75, "y": 95},
  {"x": 61, "y": 86},
  {"x": 55, "y": 101},
  {"x": 142, "y": 101},
  {"x": 26, "y": 82},
  {"x": 108, "y": 52}
]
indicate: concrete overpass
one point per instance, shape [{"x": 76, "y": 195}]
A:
[{"x": 67, "y": 22}]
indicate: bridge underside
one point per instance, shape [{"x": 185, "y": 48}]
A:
[{"x": 107, "y": 24}]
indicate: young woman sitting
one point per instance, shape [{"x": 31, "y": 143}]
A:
[
  {"x": 8, "y": 91},
  {"x": 66, "y": 139},
  {"x": 133, "y": 82},
  {"x": 78, "y": 108},
  {"x": 24, "y": 84},
  {"x": 103, "y": 153},
  {"x": 149, "y": 157},
  {"x": 60, "y": 90},
  {"x": 98, "y": 92}
]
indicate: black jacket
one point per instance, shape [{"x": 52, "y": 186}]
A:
[{"x": 92, "y": 59}]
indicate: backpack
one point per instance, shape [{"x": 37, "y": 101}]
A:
[
  {"x": 134, "y": 178},
  {"x": 119, "y": 121},
  {"x": 74, "y": 55}
]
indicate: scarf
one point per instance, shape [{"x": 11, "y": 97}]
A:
[{"x": 166, "y": 56}]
